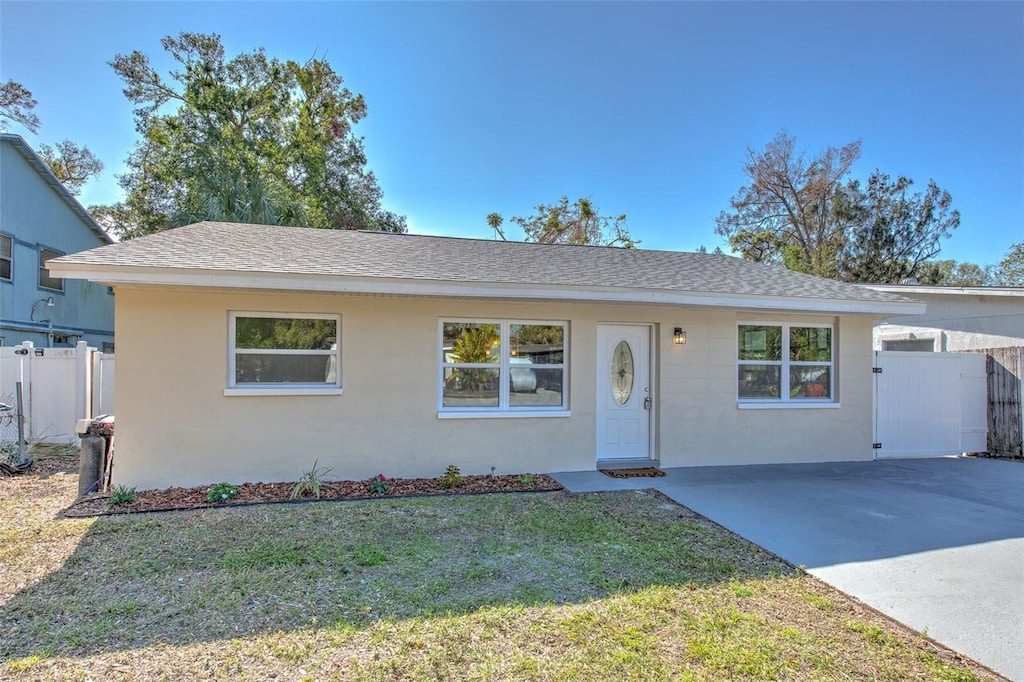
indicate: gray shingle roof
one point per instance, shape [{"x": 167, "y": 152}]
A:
[{"x": 231, "y": 247}]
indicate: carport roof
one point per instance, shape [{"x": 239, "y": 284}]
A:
[{"x": 234, "y": 255}]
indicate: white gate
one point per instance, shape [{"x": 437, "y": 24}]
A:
[{"x": 929, "y": 404}]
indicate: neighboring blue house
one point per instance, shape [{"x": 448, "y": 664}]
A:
[{"x": 40, "y": 220}]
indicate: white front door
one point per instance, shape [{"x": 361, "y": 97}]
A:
[{"x": 623, "y": 391}]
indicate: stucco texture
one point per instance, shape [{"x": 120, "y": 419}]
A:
[{"x": 175, "y": 425}]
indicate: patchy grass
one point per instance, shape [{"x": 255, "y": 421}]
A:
[{"x": 511, "y": 587}]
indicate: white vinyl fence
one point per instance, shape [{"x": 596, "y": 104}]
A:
[
  {"x": 929, "y": 404},
  {"x": 59, "y": 387},
  {"x": 102, "y": 383}
]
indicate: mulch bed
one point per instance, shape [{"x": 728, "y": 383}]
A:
[
  {"x": 644, "y": 472},
  {"x": 268, "y": 493}
]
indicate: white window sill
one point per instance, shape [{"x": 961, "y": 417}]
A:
[
  {"x": 509, "y": 414},
  {"x": 282, "y": 391},
  {"x": 790, "y": 405}
]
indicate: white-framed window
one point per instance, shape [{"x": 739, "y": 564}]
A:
[
  {"x": 503, "y": 366},
  {"x": 46, "y": 280},
  {"x": 283, "y": 353},
  {"x": 6, "y": 257},
  {"x": 785, "y": 362}
]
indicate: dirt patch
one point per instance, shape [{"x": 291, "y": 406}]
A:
[{"x": 266, "y": 493}]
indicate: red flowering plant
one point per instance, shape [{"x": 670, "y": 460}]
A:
[{"x": 378, "y": 485}]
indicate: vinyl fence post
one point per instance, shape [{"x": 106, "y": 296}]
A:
[
  {"x": 25, "y": 374},
  {"x": 19, "y": 415},
  {"x": 83, "y": 381}
]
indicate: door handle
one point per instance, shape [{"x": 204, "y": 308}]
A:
[{"x": 647, "y": 403}]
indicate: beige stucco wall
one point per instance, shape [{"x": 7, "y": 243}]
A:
[{"x": 175, "y": 426}]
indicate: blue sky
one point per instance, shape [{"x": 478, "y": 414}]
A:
[{"x": 646, "y": 108}]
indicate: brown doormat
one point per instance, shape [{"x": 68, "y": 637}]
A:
[{"x": 649, "y": 472}]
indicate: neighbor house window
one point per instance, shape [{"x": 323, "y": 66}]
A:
[
  {"x": 284, "y": 351},
  {"x": 46, "y": 280},
  {"x": 6, "y": 257},
  {"x": 503, "y": 366},
  {"x": 785, "y": 362}
]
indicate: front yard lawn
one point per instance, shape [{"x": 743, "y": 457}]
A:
[{"x": 510, "y": 586}]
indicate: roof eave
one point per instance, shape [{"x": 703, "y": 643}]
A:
[
  {"x": 912, "y": 289},
  {"x": 234, "y": 279}
]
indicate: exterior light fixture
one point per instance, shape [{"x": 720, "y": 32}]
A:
[
  {"x": 48, "y": 302},
  {"x": 679, "y": 336}
]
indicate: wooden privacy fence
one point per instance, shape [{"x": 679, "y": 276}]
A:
[
  {"x": 1005, "y": 367},
  {"x": 59, "y": 387}
]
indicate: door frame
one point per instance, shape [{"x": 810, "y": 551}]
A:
[{"x": 652, "y": 369}]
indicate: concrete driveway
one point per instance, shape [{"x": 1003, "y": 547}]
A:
[{"x": 937, "y": 544}]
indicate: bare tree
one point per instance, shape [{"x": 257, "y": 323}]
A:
[{"x": 787, "y": 213}]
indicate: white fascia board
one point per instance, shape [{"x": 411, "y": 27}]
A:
[
  {"x": 911, "y": 289},
  {"x": 114, "y": 275}
]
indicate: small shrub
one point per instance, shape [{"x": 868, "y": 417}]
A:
[
  {"x": 222, "y": 492},
  {"x": 525, "y": 480},
  {"x": 378, "y": 485},
  {"x": 451, "y": 478},
  {"x": 121, "y": 495},
  {"x": 311, "y": 482}
]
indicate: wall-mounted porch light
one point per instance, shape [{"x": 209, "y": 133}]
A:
[
  {"x": 679, "y": 336},
  {"x": 47, "y": 302}
]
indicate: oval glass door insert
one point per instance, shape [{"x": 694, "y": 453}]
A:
[{"x": 622, "y": 372}]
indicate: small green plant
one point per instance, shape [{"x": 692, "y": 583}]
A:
[
  {"x": 525, "y": 479},
  {"x": 121, "y": 495},
  {"x": 222, "y": 492},
  {"x": 311, "y": 482},
  {"x": 378, "y": 485},
  {"x": 451, "y": 478}
]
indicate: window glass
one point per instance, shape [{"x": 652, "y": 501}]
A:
[
  {"x": 271, "y": 350},
  {"x": 760, "y": 381},
  {"x": 281, "y": 369},
  {"x": 284, "y": 333},
  {"x": 810, "y": 344},
  {"x": 760, "y": 342},
  {"x": 622, "y": 373},
  {"x": 804, "y": 372},
  {"x": 6, "y": 259},
  {"x": 540, "y": 344},
  {"x": 45, "y": 279},
  {"x": 471, "y": 343},
  {"x": 464, "y": 387},
  {"x": 502, "y": 365},
  {"x": 535, "y": 387},
  {"x": 810, "y": 381}
]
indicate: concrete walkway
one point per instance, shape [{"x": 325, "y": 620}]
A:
[{"x": 937, "y": 544}]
